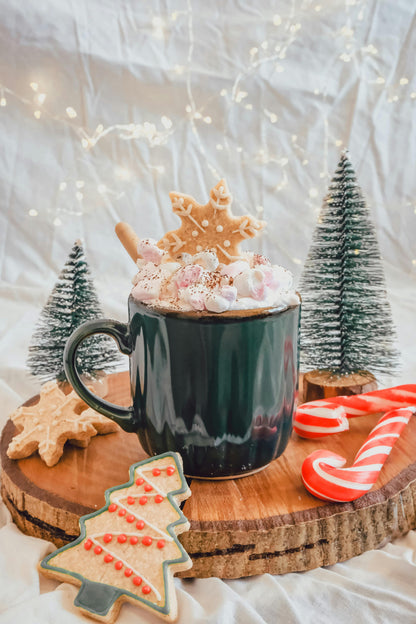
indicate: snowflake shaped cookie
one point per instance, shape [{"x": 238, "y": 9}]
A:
[
  {"x": 209, "y": 226},
  {"x": 55, "y": 419}
]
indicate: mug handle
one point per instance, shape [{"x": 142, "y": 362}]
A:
[{"x": 123, "y": 416}]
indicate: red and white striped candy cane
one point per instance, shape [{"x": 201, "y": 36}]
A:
[
  {"x": 328, "y": 416},
  {"x": 324, "y": 476}
]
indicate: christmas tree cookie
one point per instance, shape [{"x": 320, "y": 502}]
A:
[{"x": 129, "y": 550}]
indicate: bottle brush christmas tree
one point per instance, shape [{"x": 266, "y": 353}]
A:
[
  {"x": 72, "y": 301},
  {"x": 347, "y": 325}
]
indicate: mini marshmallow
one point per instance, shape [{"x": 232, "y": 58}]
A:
[
  {"x": 207, "y": 259},
  {"x": 234, "y": 268},
  {"x": 149, "y": 251},
  {"x": 250, "y": 284},
  {"x": 188, "y": 275}
]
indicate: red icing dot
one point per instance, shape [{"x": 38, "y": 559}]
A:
[
  {"x": 148, "y": 487},
  {"x": 134, "y": 539},
  {"x": 137, "y": 580},
  {"x": 140, "y": 525},
  {"x": 147, "y": 540},
  {"x": 98, "y": 550},
  {"x": 156, "y": 472},
  {"x": 131, "y": 500},
  {"x": 112, "y": 507},
  {"x": 118, "y": 565},
  {"x": 158, "y": 498},
  {"x": 87, "y": 544},
  {"x": 130, "y": 518},
  {"x": 161, "y": 544},
  {"x": 122, "y": 538},
  {"x": 139, "y": 481},
  {"x": 107, "y": 537},
  {"x": 108, "y": 558},
  {"x": 122, "y": 512},
  {"x": 143, "y": 500},
  {"x": 146, "y": 589},
  {"x": 128, "y": 572},
  {"x": 170, "y": 470}
]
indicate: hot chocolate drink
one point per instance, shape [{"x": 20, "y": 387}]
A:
[{"x": 212, "y": 338}]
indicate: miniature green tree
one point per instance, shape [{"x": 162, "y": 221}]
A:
[
  {"x": 346, "y": 325},
  {"x": 72, "y": 301}
]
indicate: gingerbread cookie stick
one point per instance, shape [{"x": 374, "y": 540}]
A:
[{"x": 128, "y": 239}]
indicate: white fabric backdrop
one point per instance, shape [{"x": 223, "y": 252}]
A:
[{"x": 107, "y": 106}]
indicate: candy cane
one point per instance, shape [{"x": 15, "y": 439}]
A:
[
  {"x": 324, "y": 476},
  {"x": 327, "y": 416}
]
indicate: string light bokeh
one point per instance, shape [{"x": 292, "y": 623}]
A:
[{"x": 267, "y": 97}]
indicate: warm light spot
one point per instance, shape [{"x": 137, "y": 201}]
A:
[
  {"x": 34, "y": 86},
  {"x": 41, "y": 98},
  {"x": 219, "y": 147},
  {"x": 71, "y": 112},
  {"x": 380, "y": 80},
  {"x": 253, "y": 52},
  {"x": 80, "y": 183},
  {"x": 57, "y": 221},
  {"x": 207, "y": 119},
  {"x": 3, "y": 101},
  {"x": 404, "y": 81},
  {"x": 166, "y": 122},
  {"x": 277, "y": 20},
  {"x": 357, "y": 252},
  {"x": 122, "y": 173},
  {"x": 33, "y": 212},
  {"x": 79, "y": 195},
  {"x": 188, "y": 108},
  {"x": 37, "y": 114},
  {"x": 62, "y": 186}
]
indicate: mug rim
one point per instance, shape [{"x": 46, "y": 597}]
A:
[{"x": 204, "y": 316}]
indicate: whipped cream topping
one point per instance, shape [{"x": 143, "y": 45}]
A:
[{"x": 200, "y": 282}]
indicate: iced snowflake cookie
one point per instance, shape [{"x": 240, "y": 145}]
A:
[
  {"x": 209, "y": 226},
  {"x": 129, "y": 550},
  {"x": 54, "y": 420}
]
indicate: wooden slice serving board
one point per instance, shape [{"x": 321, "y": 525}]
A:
[{"x": 266, "y": 522}]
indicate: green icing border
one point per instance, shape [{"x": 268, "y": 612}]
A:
[{"x": 113, "y": 593}]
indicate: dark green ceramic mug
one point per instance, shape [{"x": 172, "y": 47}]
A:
[{"x": 218, "y": 388}]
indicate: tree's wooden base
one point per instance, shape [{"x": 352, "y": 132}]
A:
[
  {"x": 266, "y": 522},
  {"x": 322, "y": 384}
]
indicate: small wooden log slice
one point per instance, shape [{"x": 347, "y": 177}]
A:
[
  {"x": 323, "y": 384},
  {"x": 266, "y": 522}
]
